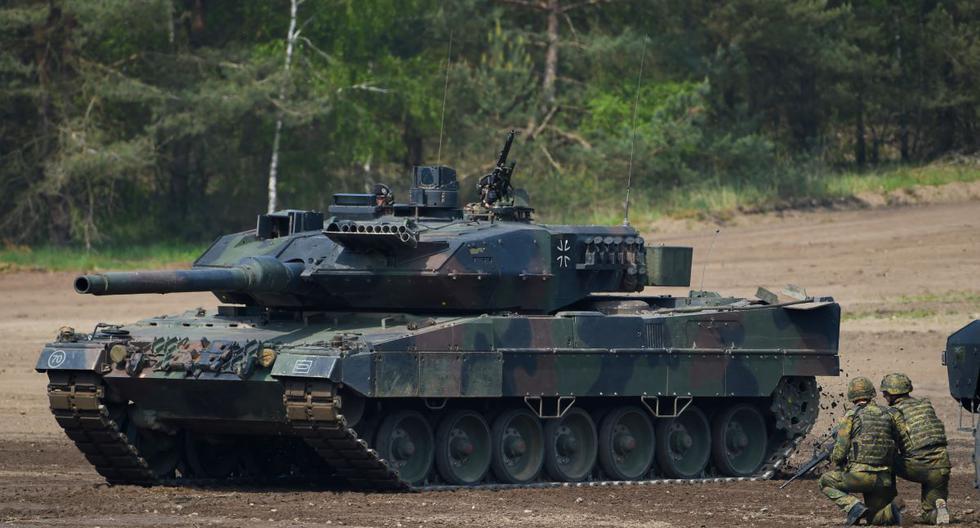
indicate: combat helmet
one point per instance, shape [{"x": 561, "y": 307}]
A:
[
  {"x": 896, "y": 383},
  {"x": 860, "y": 389}
]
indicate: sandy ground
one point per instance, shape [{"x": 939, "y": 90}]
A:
[{"x": 907, "y": 277}]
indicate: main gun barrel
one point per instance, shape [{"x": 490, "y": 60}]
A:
[{"x": 255, "y": 274}]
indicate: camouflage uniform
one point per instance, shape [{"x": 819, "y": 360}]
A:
[
  {"x": 922, "y": 441},
  {"x": 864, "y": 451}
]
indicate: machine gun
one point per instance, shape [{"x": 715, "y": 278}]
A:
[
  {"x": 821, "y": 452},
  {"x": 496, "y": 186}
]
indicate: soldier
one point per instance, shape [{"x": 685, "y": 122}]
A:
[
  {"x": 863, "y": 453},
  {"x": 922, "y": 442},
  {"x": 382, "y": 195}
]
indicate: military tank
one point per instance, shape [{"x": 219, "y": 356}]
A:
[
  {"x": 428, "y": 345},
  {"x": 962, "y": 361}
]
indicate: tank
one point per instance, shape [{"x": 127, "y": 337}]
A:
[
  {"x": 962, "y": 360},
  {"x": 426, "y": 344}
]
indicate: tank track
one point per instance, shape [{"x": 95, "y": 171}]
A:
[
  {"x": 312, "y": 414},
  {"x": 76, "y": 400}
]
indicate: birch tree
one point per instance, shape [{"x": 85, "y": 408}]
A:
[{"x": 291, "y": 37}]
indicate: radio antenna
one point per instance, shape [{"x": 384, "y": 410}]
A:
[
  {"x": 636, "y": 104},
  {"x": 445, "y": 92},
  {"x": 708, "y": 254}
]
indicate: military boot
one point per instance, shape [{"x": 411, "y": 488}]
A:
[
  {"x": 897, "y": 506},
  {"x": 855, "y": 513},
  {"x": 942, "y": 512}
]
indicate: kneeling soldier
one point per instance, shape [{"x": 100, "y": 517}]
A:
[
  {"x": 863, "y": 452},
  {"x": 922, "y": 442}
]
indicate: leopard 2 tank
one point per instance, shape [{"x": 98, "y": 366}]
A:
[{"x": 396, "y": 346}]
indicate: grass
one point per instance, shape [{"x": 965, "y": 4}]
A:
[
  {"x": 13, "y": 258},
  {"x": 914, "y": 313},
  {"x": 966, "y": 297},
  {"x": 902, "y": 177},
  {"x": 721, "y": 201},
  {"x": 922, "y": 306}
]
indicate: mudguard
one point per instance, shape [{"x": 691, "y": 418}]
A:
[{"x": 72, "y": 356}]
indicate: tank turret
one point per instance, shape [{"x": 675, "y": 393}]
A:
[{"x": 426, "y": 254}]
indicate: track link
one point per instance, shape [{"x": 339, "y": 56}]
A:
[{"x": 76, "y": 400}]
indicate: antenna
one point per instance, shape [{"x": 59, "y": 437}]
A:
[
  {"x": 708, "y": 254},
  {"x": 636, "y": 104},
  {"x": 445, "y": 91}
]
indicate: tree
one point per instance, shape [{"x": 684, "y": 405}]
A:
[{"x": 291, "y": 37}]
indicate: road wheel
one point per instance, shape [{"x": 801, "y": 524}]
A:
[
  {"x": 683, "y": 444},
  {"x": 463, "y": 448},
  {"x": 405, "y": 441},
  {"x": 626, "y": 443},
  {"x": 518, "y": 447},
  {"x": 739, "y": 440},
  {"x": 570, "y": 446}
]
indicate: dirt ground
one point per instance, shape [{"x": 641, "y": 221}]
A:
[{"x": 907, "y": 277}]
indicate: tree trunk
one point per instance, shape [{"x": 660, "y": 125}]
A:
[
  {"x": 179, "y": 182},
  {"x": 52, "y": 54},
  {"x": 875, "y": 146},
  {"x": 274, "y": 162},
  {"x": 903, "y": 136},
  {"x": 412, "y": 140},
  {"x": 806, "y": 122},
  {"x": 551, "y": 54},
  {"x": 860, "y": 147}
]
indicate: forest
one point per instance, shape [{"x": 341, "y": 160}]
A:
[{"x": 133, "y": 121}]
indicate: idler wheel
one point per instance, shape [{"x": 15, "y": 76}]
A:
[
  {"x": 626, "y": 443},
  {"x": 211, "y": 456},
  {"x": 405, "y": 441},
  {"x": 158, "y": 449},
  {"x": 740, "y": 440},
  {"x": 570, "y": 446},
  {"x": 683, "y": 444},
  {"x": 463, "y": 448},
  {"x": 353, "y": 407},
  {"x": 518, "y": 447}
]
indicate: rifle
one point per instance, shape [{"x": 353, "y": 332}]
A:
[
  {"x": 821, "y": 452},
  {"x": 496, "y": 185}
]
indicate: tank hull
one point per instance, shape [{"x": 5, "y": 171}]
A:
[{"x": 365, "y": 393}]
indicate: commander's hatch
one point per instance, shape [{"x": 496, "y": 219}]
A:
[{"x": 288, "y": 222}]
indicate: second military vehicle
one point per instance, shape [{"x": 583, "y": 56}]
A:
[
  {"x": 422, "y": 344},
  {"x": 962, "y": 360}
]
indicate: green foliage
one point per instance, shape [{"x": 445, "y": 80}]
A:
[
  {"x": 46, "y": 258},
  {"x": 125, "y": 121}
]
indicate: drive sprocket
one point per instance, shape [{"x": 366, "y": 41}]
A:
[{"x": 795, "y": 404}]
